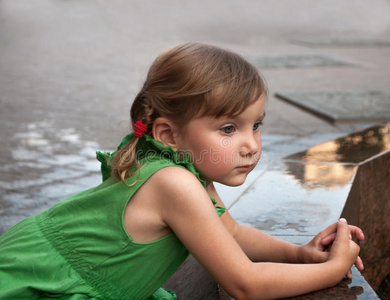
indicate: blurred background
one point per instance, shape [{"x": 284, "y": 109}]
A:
[{"x": 69, "y": 70}]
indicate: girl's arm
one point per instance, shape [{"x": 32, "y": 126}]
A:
[
  {"x": 260, "y": 246},
  {"x": 187, "y": 210},
  {"x": 257, "y": 245}
]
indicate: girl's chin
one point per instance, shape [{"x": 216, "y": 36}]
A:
[{"x": 232, "y": 183}]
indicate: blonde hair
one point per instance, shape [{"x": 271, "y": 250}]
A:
[{"x": 188, "y": 81}]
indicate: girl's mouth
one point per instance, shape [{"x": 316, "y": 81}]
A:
[{"x": 245, "y": 167}]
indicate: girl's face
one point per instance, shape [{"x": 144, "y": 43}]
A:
[{"x": 225, "y": 149}]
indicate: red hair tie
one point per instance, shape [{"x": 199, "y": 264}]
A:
[{"x": 140, "y": 129}]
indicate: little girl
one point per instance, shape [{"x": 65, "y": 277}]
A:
[{"x": 196, "y": 121}]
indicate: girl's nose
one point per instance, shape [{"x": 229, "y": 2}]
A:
[{"x": 251, "y": 146}]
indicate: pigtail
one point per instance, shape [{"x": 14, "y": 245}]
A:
[{"x": 125, "y": 163}]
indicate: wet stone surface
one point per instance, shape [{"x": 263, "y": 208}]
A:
[
  {"x": 44, "y": 166},
  {"x": 337, "y": 106},
  {"x": 296, "y": 61},
  {"x": 302, "y": 207}
]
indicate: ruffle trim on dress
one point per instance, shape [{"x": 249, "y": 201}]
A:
[{"x": 148, "y": 147}]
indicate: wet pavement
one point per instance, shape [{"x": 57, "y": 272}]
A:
[
  {"x": 46, "y": 166},
  {"x": 70, "y": 69}
]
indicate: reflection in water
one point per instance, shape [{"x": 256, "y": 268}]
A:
[
  {"x": 317, "y": 175},
  {"x": 352, "y": 149},
  {"x": 333, "y": 164},
  {"x": 360, "y": 146}
]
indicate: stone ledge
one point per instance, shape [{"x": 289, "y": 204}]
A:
[{"x": 342, "y": 106}]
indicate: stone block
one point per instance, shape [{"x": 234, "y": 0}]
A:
[{"x": 343, "y": 106}]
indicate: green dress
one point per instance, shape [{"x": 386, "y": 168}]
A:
[{"x": 79, "y": 248}]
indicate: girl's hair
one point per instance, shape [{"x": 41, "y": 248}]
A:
[{"x": 188, "y": 81}]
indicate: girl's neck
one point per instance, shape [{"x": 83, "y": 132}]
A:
[{"x": 210, "y": 188}]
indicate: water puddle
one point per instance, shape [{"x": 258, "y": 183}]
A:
[{"x": 46, "y": 166}]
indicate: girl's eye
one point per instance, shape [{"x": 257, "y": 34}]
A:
[
  {"x": 256, "y": 126},
  {"x": 228, "y": 129}
]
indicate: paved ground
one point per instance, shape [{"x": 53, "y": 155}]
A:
[{"x": 69, "y": 71}]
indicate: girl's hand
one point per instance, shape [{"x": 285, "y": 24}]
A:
[
  {"x": 317, "y": 250},
  {"x": 344, "y": 250},
  {"x": 328, "y": 241}
]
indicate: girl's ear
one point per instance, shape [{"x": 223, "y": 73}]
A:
[{"x": 165, "y": 132}]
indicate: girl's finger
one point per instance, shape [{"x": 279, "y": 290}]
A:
[
  {"x": 342, "y": 230},
  {"x": 356, "y": 231},
  {"x": 329, "y": 230},
  {"x": 329, "y": 239},
  {"x": 359, "y": 264}
]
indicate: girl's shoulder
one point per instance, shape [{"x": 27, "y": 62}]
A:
[
  {"x": 174, "y": 178},
  {"x": 179, "y": 186},
  {"x": 174, "y": 187}
]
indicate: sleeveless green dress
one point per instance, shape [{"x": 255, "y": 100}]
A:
[{"x": 79, "y": 248}]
